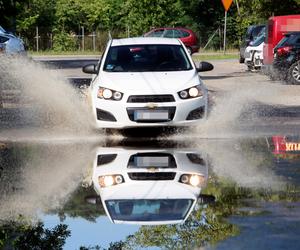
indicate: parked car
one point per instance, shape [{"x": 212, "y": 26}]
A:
[
  {"x": 149, "y": 186},
  {"x": 147, "y": 82},
  {"x": 251, "y": 34},
  {"x": 287, "y": 58},
  {"x": 254, "y": 52},
  {"x": 187, "y": 36},
  {"x": 276, "y": 28},
  {"x": 12, "y": 44}
]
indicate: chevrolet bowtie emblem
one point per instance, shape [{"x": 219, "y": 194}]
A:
[{"x": 152, "y": 105}]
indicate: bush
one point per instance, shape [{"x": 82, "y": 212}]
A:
[{"x": 64, "y": 42}]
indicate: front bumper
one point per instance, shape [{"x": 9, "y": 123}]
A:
[{"x": 121, "y": 114}]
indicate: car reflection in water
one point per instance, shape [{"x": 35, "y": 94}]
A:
[{"x": 149, "y": 187}]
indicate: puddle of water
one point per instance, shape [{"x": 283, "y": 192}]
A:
[{"x": 46, "y": 179}]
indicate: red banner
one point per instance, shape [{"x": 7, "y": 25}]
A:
[{"x": 227, "y": 4}]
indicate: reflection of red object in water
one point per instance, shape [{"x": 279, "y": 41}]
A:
[
  {"x": 282, "y": 145},
  {"x": 279, "y": 144}
]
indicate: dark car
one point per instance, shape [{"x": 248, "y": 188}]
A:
[
  {"x": 251, "y": 34},
  {"x": 187, "y": 36},
  {"x": 287, "y": 58}
]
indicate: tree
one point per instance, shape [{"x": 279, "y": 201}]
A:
[
  {"x": 146, "y": 14},
  {"x": 23, "y": 236}
]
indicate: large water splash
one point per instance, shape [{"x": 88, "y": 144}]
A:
[{"x": 44, "y": 97}]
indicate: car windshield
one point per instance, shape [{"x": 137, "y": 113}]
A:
[
  {"x": 145, "y": 58},
  {"x": 148, "y": 209},
  {"x": 258, "y": 40},
  {"x": 2, "y": 31}
]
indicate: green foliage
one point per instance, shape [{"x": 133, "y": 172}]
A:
[
  {"x": 63, "y": 42},
  {"x": 25, "y": 236},
  {"x": 137, "y": 17},
  {"x": 146, "y": 14}
]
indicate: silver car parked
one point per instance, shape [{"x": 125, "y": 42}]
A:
[{"x": 10, "y": 44}]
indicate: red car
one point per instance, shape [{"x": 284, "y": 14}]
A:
[{"x": 187, "y": 36}]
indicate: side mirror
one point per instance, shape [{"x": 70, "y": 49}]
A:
[
  {"x": 93, "y": 199},
  {"x": 90, "y": 69},
  {"x": 206, "y": 199},
  {"x": 247, "y": 41},
  {"x": 205, "y": 66}
]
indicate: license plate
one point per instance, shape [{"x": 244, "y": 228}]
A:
[
  {"x": 151, "y": 115},
  {"x": 151, "y": 161}
]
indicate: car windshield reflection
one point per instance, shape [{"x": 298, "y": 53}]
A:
[
  {"x": 145, "y": 58},
  {"x": 149, "y": 209}
]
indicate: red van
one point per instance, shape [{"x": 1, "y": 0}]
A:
[{"x": 277, "y": 26}]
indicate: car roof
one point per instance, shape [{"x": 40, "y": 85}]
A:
[{"x": 145, "y": 40}]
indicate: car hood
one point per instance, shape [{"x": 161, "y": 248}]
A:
[
  {"x": 149, "y": 82},
  {"x": 151, "y": 190}
]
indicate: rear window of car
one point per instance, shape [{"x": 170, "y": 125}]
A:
[
  {"x": 156, "y": 33},
  {"x": 282, "y": 42},
  {"x": 185, "y": 33},
  {"x": 145, "y": 58},
  {"x": 173, "y": 33}
]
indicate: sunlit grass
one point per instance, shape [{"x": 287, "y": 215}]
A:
[{"x": 202, "y": 55}]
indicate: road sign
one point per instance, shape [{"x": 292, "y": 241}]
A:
[{"x": 227, "y": 4}]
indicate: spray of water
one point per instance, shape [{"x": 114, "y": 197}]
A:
[
  {"x": 42, "y": 178},
  {"x": 44, "y": 97}
]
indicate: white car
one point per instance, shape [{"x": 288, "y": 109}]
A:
[
  {"x": 149, "y": 187},
  {"x": 146, "y": 82},
  {"x": 254, "y": 53}
]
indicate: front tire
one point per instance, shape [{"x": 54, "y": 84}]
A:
[{"x": 294, "y": 73}]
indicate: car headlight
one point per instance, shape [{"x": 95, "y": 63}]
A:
[
  {"x": 109, "y": 94},
  {"x": 110, "y": 180},
  {"x": 193, "y": 180},
  {"x": 192, "y": 92}
]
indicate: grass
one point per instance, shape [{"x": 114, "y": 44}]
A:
[
  {"x": 217, "y": 56},
  {"x": 202, "y": 55}
]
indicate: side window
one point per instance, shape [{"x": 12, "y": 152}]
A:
[
  {"x": 172, "y": 33},
  {"x": 157, "y": 33},
  {"x": 185, "y": 33},
  {"x": 298, "y": 40}
]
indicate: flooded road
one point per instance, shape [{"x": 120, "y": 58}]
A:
[{"x": 233, "y": 182}]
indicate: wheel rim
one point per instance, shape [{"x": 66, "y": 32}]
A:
[{"x": 296, "y": 73}]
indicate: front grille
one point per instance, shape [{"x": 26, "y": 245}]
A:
[
  {"x": 171, "y": 111},
  {"x": 150, "y": 98},
  {"x": 161, "y": 176}
]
